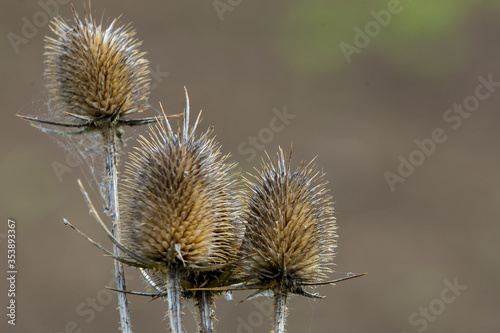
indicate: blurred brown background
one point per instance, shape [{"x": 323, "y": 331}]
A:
[{"x": 240, "y": 60}]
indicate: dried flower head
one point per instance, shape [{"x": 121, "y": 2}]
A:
[
  {"x": 290, "y": 233},
  {"x": 179, "y": 210},
  {"x": 290, "y": 237},
  {"x": 178, "y": 202},
  {"x": 96, "y": 74}
]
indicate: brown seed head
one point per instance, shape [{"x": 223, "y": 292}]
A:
[
  {"x": 290, "y": 228},
  {"x": 92, "y": 70},
  {"x": 178, "y": 204}
]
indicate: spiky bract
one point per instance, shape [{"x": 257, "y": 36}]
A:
[
  {"x": 92, "y": 70},
  {"x": 179, "y": 202},
  {"x": 290, "y": 228}
]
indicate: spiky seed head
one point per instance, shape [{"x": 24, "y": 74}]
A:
[
  {"x": 290, "y": 228},
  {"x": 178, "y": 204},
  {"x": 92, "y": 70}
]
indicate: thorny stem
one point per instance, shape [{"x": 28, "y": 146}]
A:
[
  {"x": 206, "y": 305},
  {"x": 174, "y": 299},
  {"x": 111, "y": 179},
  {"x": 280, "y": 310}
]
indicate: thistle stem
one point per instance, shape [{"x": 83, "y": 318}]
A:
[
  {"x": 174, "y": 299},
  {"x": 111, "y": 179},
  {"x": 206, "y": 306},
  {"x": 280, "y": 310}
]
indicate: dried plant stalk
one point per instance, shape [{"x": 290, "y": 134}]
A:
[
  {"x": 280, "y": 310},
  {"x": 173, "y": 286},
  {"x": 206, "y": 305},
  {"x": 112, "y": 189}
]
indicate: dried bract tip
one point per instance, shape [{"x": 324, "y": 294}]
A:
[
  {"x": 95, "y": 73},
  {"x": 290, "y": 236},
  {"x": 178, "y": 204}
]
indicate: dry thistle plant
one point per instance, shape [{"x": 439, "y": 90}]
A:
[
  {"x": 180, "y": 216},
  {"x": 182, "y": 219},
  {"x": 290, "y": 233},
  {"x": 96, "y": 76}
]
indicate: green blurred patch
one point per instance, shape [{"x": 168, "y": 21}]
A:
[
  {"x": 310, "y": 33},
  {"x": 428, "y": 18},
  {"x": 426, "y": 38}
]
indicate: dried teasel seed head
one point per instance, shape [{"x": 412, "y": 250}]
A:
[
  {"x": 179, "y": 202},
  {"x": 94, "y": 72},
  {"x": 290, "y": 229}
]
